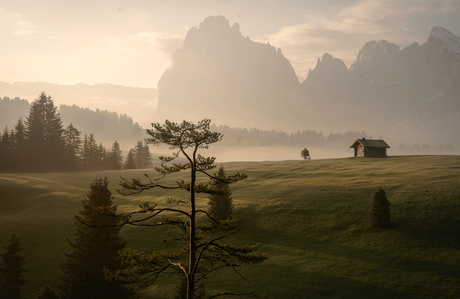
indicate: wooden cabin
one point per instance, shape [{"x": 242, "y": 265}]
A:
[{"x": 370, "y": 148}]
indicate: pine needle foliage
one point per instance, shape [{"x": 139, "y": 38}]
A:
[
  {"x": 379, "y": 214},
  {"x": 47, "y": 293},
  {"x": 95, "y": 249},
  {"x": 221, "y": 205},
  {"x": 11, "y": 269},
  {"x": 305, "y": 154},
  {"x": 201, "y": 248}
]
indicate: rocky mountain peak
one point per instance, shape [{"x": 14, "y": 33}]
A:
[{"x": 447, "y": 38}]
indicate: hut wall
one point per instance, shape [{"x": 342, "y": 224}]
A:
[
  {"x": 375, "y": 152},
  {"x": 359, "y": 151}
]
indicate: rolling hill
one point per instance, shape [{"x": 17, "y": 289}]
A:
[{"x": 309, "y": 216}]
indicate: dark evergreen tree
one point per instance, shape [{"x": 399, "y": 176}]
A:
[
  {"x": 11, "y": 269},
  {"x": 379, "y": 214},
  {"x": 115, "y": 160},
  {"x": 47, "y": 293},
  {"x": 130, "y": 163},
  {"x": 72, "y": 147},
  {"x": 45, "y": 135},
  {"x": 90, "y": 153},
  {"x": 305, "y": 154},
  {"x": 6, "y": 150},
  {"x": 95, "y": 247},
  {"x": 142, "y": 155},
  {"x": 20, "y": 145},
  {"x": 102, "y": 158},
  {"x": 220, "y": 205}
]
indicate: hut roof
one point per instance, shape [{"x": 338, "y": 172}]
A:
[{"x": 371, "y": 143}]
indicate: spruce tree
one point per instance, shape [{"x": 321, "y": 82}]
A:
[
  {"x": 130, "y": 163},
  {"x": 6, "y": 150},
  {"x": 221, "y": 205},
  {"x": 11, "y": 270},
  {"x": 142, "y": 155},
  {"x": 379, "y": 214},
  {"x": 72, "y": 147},
  {"x": 115, "y": 160},
  {"x": 45, "y": 135},
  {"x": 95, "y": 247},
  {"x": 20, "y": 144},
  {"x": 47, "y": 293}
]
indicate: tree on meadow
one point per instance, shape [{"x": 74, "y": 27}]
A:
[
  {"x": 47, "y": 293},
  {"x": 305, "y": 154},
  {"x": 90, "y": 157},
  {"x": 19, "y": 139},
  {"x": 130, "y": 162},
  {"x": 379, "y": 214},
  {"x": 72, "y": 147},
  {"x": 114, "y": 157},
  {"x": 201, "y": 248},
  {"x": 220, "y": 205},
  {"x": 94, "y": 249},
  {"x": 11, "y": 269},
  {"x": 142, "y": 155},
  {"x": 6, "y": 150},
  {"x": 45, "y": 135}
]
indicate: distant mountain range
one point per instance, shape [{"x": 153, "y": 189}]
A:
[{"x": 411, "y": 94}]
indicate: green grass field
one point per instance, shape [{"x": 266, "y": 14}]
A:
[{"x": 309, "y": 216}]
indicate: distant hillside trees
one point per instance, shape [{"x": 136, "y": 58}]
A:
[
  {"x": 42, "y": 144},
  {"x": 11, "y": 110},
  {"x": 11, "y": 269},
  {"x": 379, "y": 214},
  {"x": 96, "y": 247},
  {"x": 101, "y": 121},
  {"x": 273, "y": 137}
]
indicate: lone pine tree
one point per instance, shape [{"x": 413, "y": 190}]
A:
[
  {"x": 220, "y": 205},
  {"x": 95, "y": 248},
  {"x": 379, "y": 214},
  {"x": 305, "y": 154},
  {"x": 205, "y": 250},
  {"x": 11, "y": 269}
]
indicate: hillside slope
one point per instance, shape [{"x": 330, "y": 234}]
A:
[{"x": 309, "y": 216}]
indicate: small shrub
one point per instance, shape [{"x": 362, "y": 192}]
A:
[
  {"x": 379, "y": 214},
  {"x": 47, "y": 293}
]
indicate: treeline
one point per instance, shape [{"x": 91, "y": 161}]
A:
[
  {"x": 426, "y": 149},
  {"x": 84, "y": 119},
  {"x": 273, "y": 137},
  {"x": 11, "y": 110},
  {"x": 100, "y": 121},
  {"x": 40, "y": 143}
]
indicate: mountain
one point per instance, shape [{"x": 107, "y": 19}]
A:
[
  {"x": 414, "y": 92},
  {"x": 410, "y": 95},
  {"x": 139, "y": 103},
  {"x": 220, "y": 74}
]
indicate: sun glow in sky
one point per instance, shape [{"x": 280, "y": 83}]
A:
[{"x": 131, "y": 42}]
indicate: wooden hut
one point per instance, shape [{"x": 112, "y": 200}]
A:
[{"x": 370, "y": 148}]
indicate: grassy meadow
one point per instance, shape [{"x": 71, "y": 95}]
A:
[{"x": 309, "y": 216}]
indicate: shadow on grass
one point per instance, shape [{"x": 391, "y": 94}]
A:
[{"x": 12, "y": 198}]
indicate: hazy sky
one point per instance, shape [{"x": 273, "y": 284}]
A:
[{"x": 130, "y": 42}]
